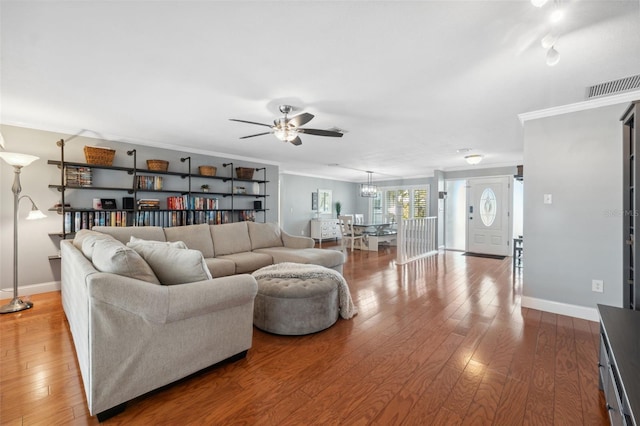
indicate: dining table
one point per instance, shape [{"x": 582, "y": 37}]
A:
[{"x": 373, "y": 233}]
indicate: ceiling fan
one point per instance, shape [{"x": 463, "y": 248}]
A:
[{"x": 287, "y": 128}]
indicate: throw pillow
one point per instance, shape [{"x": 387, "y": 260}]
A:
[
  {"x": 264, "y": 235},
  {"x": 114, "y": 257},
  {"x": 174, "y": 266},
  {"x": 138, "y": 241},
  {"x": 85, "y": 241}
]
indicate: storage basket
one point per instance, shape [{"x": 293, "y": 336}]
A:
[
  {"x": 245, "y": 172},
  {"x": 158, "y": 165},
  {"x": 207, "y": 170},
  {"x": 99, "y": 156}
]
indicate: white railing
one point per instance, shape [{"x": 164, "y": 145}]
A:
[{"x": 416, "y": 239}]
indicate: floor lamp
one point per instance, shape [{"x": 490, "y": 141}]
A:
[{"x": 18, "y": 161}]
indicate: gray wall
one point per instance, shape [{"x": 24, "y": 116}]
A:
[
  {"x": 295, "y": 200},
  {"x": 577, "y": 158},
  {"x": 35, "y": 244}
]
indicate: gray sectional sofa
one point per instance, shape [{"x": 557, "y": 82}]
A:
[{"x": 133, "y": 334}]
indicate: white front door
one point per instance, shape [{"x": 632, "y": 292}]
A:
[{"x": 488, "y": 219}]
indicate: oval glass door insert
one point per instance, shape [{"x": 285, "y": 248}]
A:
[{"x": 488, "y": 207}]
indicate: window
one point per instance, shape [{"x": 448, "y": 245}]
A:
[{"x": 414, "y": 202}]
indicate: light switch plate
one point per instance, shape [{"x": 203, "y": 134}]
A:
[{"x": 548, "y": 199}]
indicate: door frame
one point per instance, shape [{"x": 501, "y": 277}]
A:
[{"x": 509, "y": 210}]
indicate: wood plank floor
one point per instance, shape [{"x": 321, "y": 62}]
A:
[{"x": 441, "y": 341}]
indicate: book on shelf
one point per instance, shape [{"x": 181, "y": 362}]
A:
[
  {"x": 77, "y": 220},
  {"x": 185, "y": 202},
  {"x": 149, "y": 204},
  {"x": 150, "y": 183},
  {"x": 80, "y": 177}
]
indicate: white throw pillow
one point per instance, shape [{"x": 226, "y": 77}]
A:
[
  {"x": 138, "y": 241},
  {"x": 174, "y": 266},
  {"x": 114, "y": 257}
]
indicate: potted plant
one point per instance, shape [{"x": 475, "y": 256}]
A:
[
  {"x": 338, "y": 207},
  {"x": 205, "y": 188}
]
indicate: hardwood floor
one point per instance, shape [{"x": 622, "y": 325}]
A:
[{"x": 440, "y": 341}]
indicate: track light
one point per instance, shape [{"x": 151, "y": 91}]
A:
[
  {"x": 548, "y": 41},
  {"x": 553, "y": 56}
]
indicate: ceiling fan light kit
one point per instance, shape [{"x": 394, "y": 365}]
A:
[{"x": 288, "y": 129}]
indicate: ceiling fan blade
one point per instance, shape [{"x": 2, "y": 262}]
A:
[
  {"x": 250, "y": 122},
  {"x": 300, "y": 119},
  {"x": 297, "y": 141},
  {"x": 257, "y": 134},
  {"x": 318, "y": 132}
]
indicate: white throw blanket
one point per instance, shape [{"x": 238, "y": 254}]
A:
[{"x": 300, "y": 270}]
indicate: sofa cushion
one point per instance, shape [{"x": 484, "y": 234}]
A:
[
  {"x": 124, "y": 233},
  {"x": 264, "y": 235},
  {"x": 248, "y": 261},
  {"x": 139, "y": 241},
  {"x": 230, "y": 238},
  {"x": 114, "y": 257},
  {"x": 85, "y": 240},
  {"x": 220, "y": 267},
  {"x": 196, "y": 237},
  {"x": 174, "y": 265},
  {"x": 326, "y": 258}
]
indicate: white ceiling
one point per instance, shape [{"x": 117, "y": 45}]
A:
[{"x": 410, "y": 81}]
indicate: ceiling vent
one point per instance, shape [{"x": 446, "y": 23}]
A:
[{"x": 613, "y": 87}]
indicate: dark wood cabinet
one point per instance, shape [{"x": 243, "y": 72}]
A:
[
  {"x": 631, "y": 207},
  {"x": 620, "y": 363}
]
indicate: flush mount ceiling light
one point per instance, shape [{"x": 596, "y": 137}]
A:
[
  {"x": 368, "y": 189},
  {"x": 538, "y": 3},
  {"x": 473, "y": 158},
  {"x": 553, "y": 56}
]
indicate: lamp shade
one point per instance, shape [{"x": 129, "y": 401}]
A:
[
  {"x": 17, "y": 159},
  {"x": 36, "y": 214}
]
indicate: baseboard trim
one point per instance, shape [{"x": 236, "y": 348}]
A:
[
  {"x": 26, "y": 290},
  {"x": 576, "y": 311}
]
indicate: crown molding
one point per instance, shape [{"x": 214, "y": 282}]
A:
[{"x": 580, "y": 106}]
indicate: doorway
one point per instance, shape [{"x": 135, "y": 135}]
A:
[{"x": 489, "y": 202}]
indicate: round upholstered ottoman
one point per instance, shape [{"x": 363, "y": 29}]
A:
[{"x": 295, "y": 305}]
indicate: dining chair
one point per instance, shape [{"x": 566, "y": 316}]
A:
[
  {"x": 358, "y": 218},
  {"x": 348, "y": 234}
]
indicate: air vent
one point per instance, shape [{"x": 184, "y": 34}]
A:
[{"x": 615, "y": 86}]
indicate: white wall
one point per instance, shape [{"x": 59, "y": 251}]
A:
[{"x": 577, "y": 158}]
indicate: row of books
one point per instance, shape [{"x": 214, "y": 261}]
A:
[
  {"x": 149, "y": 204},
  {"x": 75, "y": 221},
  {"x": 192, "y": 203},
  {"x": 151, "y": 183},
  {"x": 78, "y": 176}
]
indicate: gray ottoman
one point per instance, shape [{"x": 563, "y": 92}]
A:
[{"x": 295, "y": 306}]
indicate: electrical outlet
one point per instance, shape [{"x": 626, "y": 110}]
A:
[{"x": 597, "y": 286}]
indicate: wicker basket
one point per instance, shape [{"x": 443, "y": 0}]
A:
[
  {"x": 207, "y": 170},
  {"x": 158, "y": 165},
  {"x": 245, "y": 172},
  {"x": 99, "y": 156}
]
